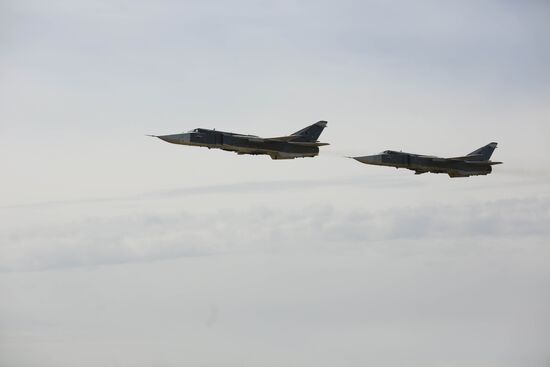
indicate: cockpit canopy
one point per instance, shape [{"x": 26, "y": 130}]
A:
[
  {"x": 388, "y": 152},
  {"x": 195, "y": 131}
]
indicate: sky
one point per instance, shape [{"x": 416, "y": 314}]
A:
[{"x": 117, "y": 249}]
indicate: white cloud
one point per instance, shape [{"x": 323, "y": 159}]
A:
[
  {"x": 136, "y": 235},
  {"x": 476, "y": 301}
]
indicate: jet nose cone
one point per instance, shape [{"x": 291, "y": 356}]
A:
[
  {"x": 175, "y": 138},
  {"x": 369, "y": 159}
]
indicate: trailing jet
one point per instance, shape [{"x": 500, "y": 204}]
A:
[
  {"x": 302, "y": 143},
  {"x": 474, "y": 164}
]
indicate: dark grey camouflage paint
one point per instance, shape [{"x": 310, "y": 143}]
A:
[
  {"x": 474, "y": 164},
  {"x": 302, "y": 143}
]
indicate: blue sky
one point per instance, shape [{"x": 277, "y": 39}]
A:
[{"x": 118, "y": 249}]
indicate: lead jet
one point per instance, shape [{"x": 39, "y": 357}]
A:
[
  {"x": 476, "y": 163},
  {"x": 302, "y": 143}
]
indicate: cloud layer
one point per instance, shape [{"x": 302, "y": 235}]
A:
[
  {"x": 422, "y": 286},
  {"x": 138, "y": 235}
]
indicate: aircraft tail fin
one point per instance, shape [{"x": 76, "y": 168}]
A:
[
  {"x": 483, "y": 153},
  {"x": 310, "y": 133}
]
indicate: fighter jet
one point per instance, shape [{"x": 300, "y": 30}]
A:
[
  {"x": 302, "y": 143},
  {"x": 476, "y": 163}
]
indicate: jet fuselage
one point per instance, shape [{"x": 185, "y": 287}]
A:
[
  {"x": 474, "y": 164},
  {"x": 420, "y": 164},
  {"x": 301, "y": 144}
]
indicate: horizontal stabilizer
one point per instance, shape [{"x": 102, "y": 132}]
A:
[
  {"x": 307, "y": 143},
  {"x": 467, "y": 157},
  {"x": 483, "y": 163},
  {"x": 283, "y": 138},
  {"x": 466, "y": 160}
]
